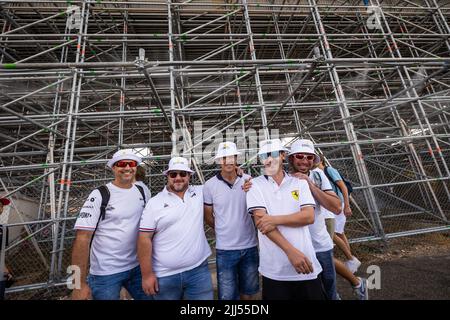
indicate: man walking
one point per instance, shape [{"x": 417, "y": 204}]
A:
[
  {"x": 225, "y": 211},
  {"x": 282, "y": 208},
  {"x": 107, "y": 231},
  {"x": 172, "y": 245}
]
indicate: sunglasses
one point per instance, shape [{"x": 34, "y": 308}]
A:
[
  {"x": 273, "y": 154},
  {"x": 308, "y": 157},
  {"x": 174, "y": 174},
  {"x": 124, "y": 164}
]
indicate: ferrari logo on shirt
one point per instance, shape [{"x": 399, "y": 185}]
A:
[{"x": 295, "y": 194}]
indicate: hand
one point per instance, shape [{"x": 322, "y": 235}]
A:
[
  {"x": 266, "y": 224},
  {"x": 347, "y": 211},
  {"x": 300, "y": 262},
  {"x": 150, "y": 284},
  {"x": 247, "y": 185},
  {"x": 301, "y": 176},
  {"x": 84, "y": 293}
]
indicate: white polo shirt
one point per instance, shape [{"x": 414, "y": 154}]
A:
[
  {"x": 319, "y": 235},
  {"x": 287, "y": 198},
  {"x": 179, "y": 242},
  {"x": 233, "y": 225},
  {"x": 113, "y": 248}
]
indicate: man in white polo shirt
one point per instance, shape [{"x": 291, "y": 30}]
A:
[
  {"x": 107, "y": 234},
  {"x": 302, "y": 159},
  {"x": 282, "y": 208},
  {"x": 225, "y": 210},
  {"x": 172, "y": 245}
]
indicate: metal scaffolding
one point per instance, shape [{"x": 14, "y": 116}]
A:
[{"x": 367, "y": 81}]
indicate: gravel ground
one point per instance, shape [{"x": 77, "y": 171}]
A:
[{"x": 416, "y": 267}]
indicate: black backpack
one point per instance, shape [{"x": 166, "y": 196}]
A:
[
  {"x": 347, "y": 183},
  {"x": 104, "y": 192}
]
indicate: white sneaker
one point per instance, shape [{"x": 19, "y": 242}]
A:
[
  {"x": 361, "y": 292},
  {"x": 353, "y": 264}
]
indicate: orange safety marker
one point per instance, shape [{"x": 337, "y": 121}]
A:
[{"x": 66, "y": 182}]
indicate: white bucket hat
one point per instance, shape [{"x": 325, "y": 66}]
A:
[
  {"x": 267, "y": 146},
  {"x": 178, "y": 164},
  {"x": 304, "y": 146},
  {"x": 124, "y": 154},
  {"x": 226, "y": 149}
]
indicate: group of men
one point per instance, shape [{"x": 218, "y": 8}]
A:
[{"x": 279, "y": 225}]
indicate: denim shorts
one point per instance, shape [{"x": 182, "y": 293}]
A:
[
  {"x": 108, "y": 287},
  {"x": 237, "y": 273},
  {"x": 194, "y": 284}
]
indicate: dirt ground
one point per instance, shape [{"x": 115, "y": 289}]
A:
[{"x": 415, "y": 267}]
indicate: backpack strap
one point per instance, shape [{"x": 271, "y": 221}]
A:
[
  {"x": 104, "y": 192},
  {"x": 325, "y": 170},
  {"x": 141, "y": 190},
  {"x": 317, "y": 178}
]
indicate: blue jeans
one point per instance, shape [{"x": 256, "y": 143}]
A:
[
  {"x": 328, "y": 275},
  {"x": 237, "y": 273},
  {"x": 194, "y": 284},
  {"x": 108, "y": 287}
]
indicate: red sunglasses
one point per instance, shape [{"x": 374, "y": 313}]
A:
[
  {"x": 308, "y": 157},
  {"x": 124, "y": 164}
]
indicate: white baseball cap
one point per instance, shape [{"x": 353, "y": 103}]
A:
[
  {"x": 124, "y": 154},
  {"x": 178, "y": 164},
  {"x": 226, "y": 149},
  {"x": 267, "y": 146},
  {"x": 304, "y": 146}
]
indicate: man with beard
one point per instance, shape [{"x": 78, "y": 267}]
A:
[
  {"x": 282, "y": 208},
  {"x": 107, "y": 233},
  {"x": 302, "y": 159},
  {"x": 172, "y": 245},
  {"x": 236, "y": 243}
]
